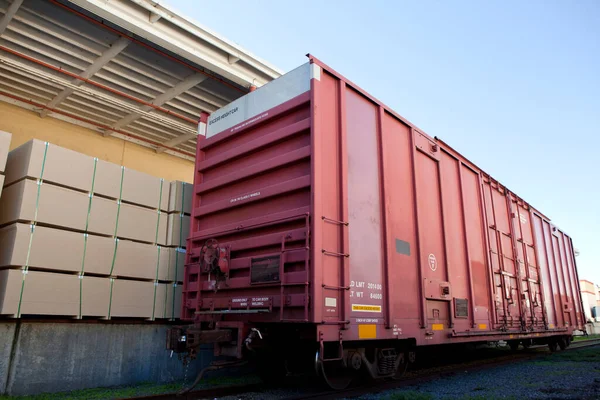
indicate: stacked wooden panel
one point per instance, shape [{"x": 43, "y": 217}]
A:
[
  {"x": 178, "y": 228},
  {"x": 82, "y": 237},
  {"x": 4, "y": 146}
]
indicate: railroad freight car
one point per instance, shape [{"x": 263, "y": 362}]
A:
[{"x": 328, "y": 230}]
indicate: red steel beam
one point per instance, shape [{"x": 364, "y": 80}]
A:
[
  {"x": 87, "y": 121},
  {"x": 196, "y": 69},
  {"x": 99, "y": 85}
]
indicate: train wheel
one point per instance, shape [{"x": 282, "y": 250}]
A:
[
  {"x": 334, "y": 374},
  {"x": 526, "y": 343},
  {"x": 562, "y": 343},
  {"x": 552, "y": 346},
  {"x": 402, "y": 367}
]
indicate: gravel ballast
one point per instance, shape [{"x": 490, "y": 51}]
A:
[{"x": 574, "y": 374}]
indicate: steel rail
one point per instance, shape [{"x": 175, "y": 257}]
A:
[
  {"x": 208, "y": 393},
  {"x": 433, "y": 373}
]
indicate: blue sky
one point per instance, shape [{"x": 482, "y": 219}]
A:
[{"x": 512, "y": 85}]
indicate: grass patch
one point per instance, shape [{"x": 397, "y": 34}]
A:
[
  {"x": 576, "y": 355},
  {"x": 562, "y": 372},
  {"x": 543, "y": 363},
  {"x": 142, "y": 389},
  {"x": 409, "y": 395},
  {"x": 588, "y": 337},
  {"x": 591, "y": 354}
]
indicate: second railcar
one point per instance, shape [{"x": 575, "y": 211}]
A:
[{"x": 325, "y": 224}]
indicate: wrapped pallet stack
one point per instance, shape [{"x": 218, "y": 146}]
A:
[
  {"x": 178, "y": 228},
  {"x": 4, "y": 146},
  {"x": 82, "y": 238}
]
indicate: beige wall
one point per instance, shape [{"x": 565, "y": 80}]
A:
[
  {"x": 589, "y": 296},
  {"x": 587, "y": 286},
  {"x": 26, "y": 125}
]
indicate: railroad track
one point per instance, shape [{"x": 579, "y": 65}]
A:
[
  {"x": 412, "y": 378},
  {"x": 429, "y": 374},
  {"x": 208, "y": 393}
]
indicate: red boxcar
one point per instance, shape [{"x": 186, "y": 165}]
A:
[{"x": 323, "y": 220}]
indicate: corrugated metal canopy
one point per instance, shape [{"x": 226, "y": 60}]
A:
[{"x": 98, "y": 64}]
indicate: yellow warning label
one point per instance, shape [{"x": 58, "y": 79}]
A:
[
  {"x": 550, "y": 326},
  {"x": 482, "y": 326},
  {"x": 367, "y": 331},
  {"x": 365, "y": 308},
  {"x": 437, "y": 327}
]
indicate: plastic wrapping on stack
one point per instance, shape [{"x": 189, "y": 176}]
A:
[
  {"x": 82, "y": 237},
  {"x": 57, "y": 187},
  {"x": 178, "y": 228},
  {"x": 4, "y": 146},
  {"x": 180, "y": 208}
]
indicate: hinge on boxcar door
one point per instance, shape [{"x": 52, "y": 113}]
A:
[{"x": 214, "y": 260}]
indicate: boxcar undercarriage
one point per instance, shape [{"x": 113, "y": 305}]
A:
[{"x": 277, "y": 351}]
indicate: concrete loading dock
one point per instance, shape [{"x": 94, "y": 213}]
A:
[
  {"x": 124, "y": 83},
  {"x": 38, "y": 357}
]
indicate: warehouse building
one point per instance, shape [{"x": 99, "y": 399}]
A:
[
  {"x": 125, "y": 82},
  {"x": 590, "y": 297}
]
